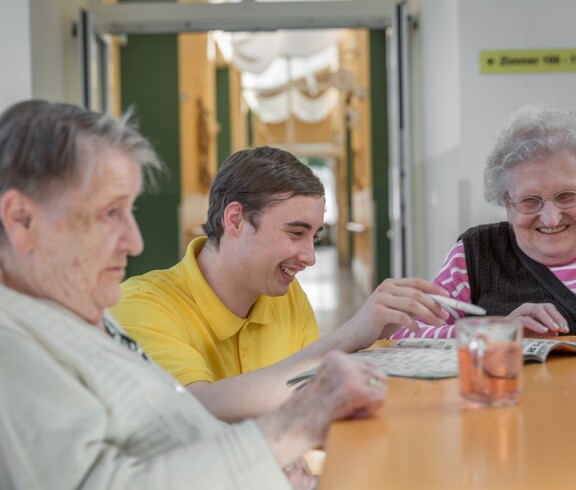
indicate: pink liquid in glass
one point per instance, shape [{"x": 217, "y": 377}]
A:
[{"x": 492, "y": 377}]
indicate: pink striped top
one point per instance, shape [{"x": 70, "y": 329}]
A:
[{"x": 453, "y": 277}]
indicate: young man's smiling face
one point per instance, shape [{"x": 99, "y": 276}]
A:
[{"x": 282, "y": 244}]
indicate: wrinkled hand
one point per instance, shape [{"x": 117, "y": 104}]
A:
[
  {"x": 300, "y": 476},
  {"x": 342, "y": 387},
  {"x": 394, "y": 304},
  {"x": 540, "y": 319}
]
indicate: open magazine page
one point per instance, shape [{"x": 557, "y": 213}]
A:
[
  {"x": 538, "y": 349},
  {"x": 437, "y": 358},
  {"x": 422, "y": 363},
  {"x": 532, "y": 349},
  {"x": 440, "y": 344}
]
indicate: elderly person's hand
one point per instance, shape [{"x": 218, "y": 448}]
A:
[
  {"x": 300, "y": 476},
  {"x": 393, "y": 304},
  {"x": 343, "y": 387},
  {"x": 540, "y": 319}
]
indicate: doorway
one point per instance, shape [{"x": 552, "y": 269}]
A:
[{"x": 362, "y": 230}]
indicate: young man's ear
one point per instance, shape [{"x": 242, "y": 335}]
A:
[
  {"x": 16, "y": 211},
  {"x": 233, "y": 217}
]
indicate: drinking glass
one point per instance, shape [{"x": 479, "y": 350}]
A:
[{"x": 490, "y": 359}]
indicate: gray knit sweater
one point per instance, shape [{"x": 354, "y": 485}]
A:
[{"x": 502, "y": 277}]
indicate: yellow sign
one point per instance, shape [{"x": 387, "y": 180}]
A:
[{"x": 528, "y": 61}]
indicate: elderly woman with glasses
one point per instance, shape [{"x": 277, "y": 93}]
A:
[{"x": 524, "y": 267}]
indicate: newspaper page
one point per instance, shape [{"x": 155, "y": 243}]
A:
[
  {"x": 532, "y": 349},
  {"x": 437, "y": 358},
  {"x": 421, "y": 363}
]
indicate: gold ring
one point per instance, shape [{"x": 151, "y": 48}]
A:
[{"x": 374, "y": 381}]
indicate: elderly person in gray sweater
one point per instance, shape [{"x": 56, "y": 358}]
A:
[{"x": 81, "y": 405}]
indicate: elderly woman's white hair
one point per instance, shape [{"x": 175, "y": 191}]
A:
[{"x": 532, "y": 134}]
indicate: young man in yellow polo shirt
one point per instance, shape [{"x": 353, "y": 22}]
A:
[{"x": 230, "y": 320}]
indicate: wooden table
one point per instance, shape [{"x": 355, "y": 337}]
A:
[{"x": 427, "y": 437}]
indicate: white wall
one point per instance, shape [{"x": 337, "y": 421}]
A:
[
  {"x": 38, "y": 51},
  {"x": 15, "y": 56},
  {"x": 436, "y": 39},
  {"x": 55, "y": 56},
  {"x": 462, "y": 109}
]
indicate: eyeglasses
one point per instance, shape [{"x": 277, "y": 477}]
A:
[{"x": 531, "y": 205}]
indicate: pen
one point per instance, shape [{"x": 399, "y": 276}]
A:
[{"x": 459, "y": 305}]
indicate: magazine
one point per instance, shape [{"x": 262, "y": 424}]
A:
[
  {"x": 532, "y": 349},
  {"x": 437, "y": 358}
]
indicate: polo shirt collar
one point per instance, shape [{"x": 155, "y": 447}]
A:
[{"x": 223, "y": 322}]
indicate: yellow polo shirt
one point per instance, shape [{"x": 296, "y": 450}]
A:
[{"x": 184, "y": 327}]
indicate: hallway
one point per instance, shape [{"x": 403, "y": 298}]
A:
[
  {"x": 335, "y": 299},
  {"x": 330, "y": 289}
]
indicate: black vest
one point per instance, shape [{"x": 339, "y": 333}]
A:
[{"x": 502, "y": 277}]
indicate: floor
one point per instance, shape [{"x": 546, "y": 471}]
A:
[
  {"x": 330, "y": 289},
  {"x": 335, "y": 299}
]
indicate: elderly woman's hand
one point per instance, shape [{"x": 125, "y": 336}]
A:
[
  {"x": 300, "y": 476},
  {"x": 343, "y": 387},
  {"x": 540, "y": 319}
]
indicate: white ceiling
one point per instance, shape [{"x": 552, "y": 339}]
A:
[{"x": 246, "y": 15}]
